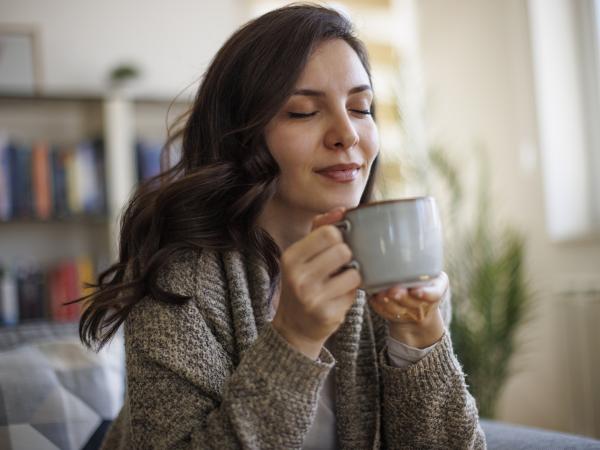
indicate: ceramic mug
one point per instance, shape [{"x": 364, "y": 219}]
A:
[{"x": 395, "y": 241}]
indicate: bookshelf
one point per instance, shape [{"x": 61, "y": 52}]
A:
[{"x": 82, "y": 236}]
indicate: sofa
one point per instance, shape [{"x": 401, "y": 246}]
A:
[{"x": 55, "y": 394}]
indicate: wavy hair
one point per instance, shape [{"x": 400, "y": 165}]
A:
[{"x": 213, "y": 195}]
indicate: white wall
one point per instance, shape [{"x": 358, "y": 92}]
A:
[
  {"x": 171, "y": 41},
  {"x": 477, "y": 61}
]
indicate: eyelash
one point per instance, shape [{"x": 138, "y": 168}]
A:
[{"x": 294, "y": 115}]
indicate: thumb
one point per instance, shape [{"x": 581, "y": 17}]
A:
[{"x": 330, "y": 217}]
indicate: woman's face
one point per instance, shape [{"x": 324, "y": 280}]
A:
[{"x": 324, "y": 138}]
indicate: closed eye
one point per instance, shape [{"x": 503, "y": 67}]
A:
[
  {"x": 297, "y": 115},
  {"x": 364, "y": 112}
]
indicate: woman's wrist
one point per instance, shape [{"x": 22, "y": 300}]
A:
[
  {"x": 419, "y": 335},
  {"x": 309, "y": 348}
]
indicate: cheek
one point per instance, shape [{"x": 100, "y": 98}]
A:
[
  {"x": 289, "y": 148},
  {"x": 370, "y": 142}
]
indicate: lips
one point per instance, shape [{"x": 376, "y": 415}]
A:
[
  {"x": 341, "y": 173},
  {"x": 348, "y": 166}
]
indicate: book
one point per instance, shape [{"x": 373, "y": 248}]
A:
[
  {"x": 5, "y": 178},
  {"x": 21, "y": 178},
  {"x": 57, "y": 294},
  {"x": 73, "y": 180},
  {"x": 100, "y": 173},
  {"x": 59, "y": 177},
  {"x": 85, "y": 275},
  {"x": 88, "y": 181},
  {"x": 31, "y": 290},
  {"x": 9, "y": 303},
  {"x": 41, "y": 180},
  {"x": 148, "y": 155},
  {"x": 73, "y": 289}
]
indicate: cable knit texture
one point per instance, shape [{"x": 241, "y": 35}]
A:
[{"x": 214, "y": 374}]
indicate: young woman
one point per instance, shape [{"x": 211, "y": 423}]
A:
[{"x": 241, "y": 330}]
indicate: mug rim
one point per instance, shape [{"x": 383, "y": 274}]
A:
[{"x": 395, "y": 200}]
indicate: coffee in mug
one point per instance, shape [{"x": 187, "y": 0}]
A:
[{"x": 395, "y": 241}]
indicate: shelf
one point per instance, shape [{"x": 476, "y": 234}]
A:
[
  {"x": 91, "y": 98},
  {"x": 32, "y": 246},
  {"x": 74, "y": 220}
]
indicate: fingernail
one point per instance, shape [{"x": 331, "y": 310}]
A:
[
  {"x": 386, "y": 300},
  {"x": 398, "y": 294}
]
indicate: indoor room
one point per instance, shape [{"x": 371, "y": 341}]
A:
[{"x": 269, "y": 224}]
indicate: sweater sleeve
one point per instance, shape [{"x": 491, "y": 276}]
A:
[
  {"x": 184, "y": 391},
  {"x": 427, "y": 404}
]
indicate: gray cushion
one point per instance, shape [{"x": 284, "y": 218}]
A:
[
  {"x": 502, "y": 436},
  {"x": 56, "y": 394},
  {"x": 33, "y": 332}
]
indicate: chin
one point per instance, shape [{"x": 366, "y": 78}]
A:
[{"x": 346, "y": 201}]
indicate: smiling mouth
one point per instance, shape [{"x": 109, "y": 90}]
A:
[{"x": 342, "y": 175}]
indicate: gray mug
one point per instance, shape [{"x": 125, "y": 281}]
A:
[{"x": 395, "y": 241}]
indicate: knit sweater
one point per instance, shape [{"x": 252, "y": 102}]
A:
[{"x": 214, "y": 374}]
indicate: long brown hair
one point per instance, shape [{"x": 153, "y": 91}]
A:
[{"x": 212, "y": 197}]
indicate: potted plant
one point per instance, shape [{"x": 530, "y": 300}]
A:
[{"x": 491, "y": 296}]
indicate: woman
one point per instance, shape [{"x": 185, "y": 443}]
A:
[{"x": 229, "y": 283}]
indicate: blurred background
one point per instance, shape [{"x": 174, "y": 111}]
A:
[{"x": 491, "y": 106}]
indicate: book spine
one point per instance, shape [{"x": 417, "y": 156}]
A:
[
  {"x": 31, "y": 293},
  {"x": 59, "y": 175},
  {"x": 73, "y": 178},
  {"x": 148, "y": 157},
  {"x": 41, "y": 180},
  {"x": 9, "y": 303},
  {"x": 56, "y": 293},
  {"x": 24, "y": 197},
  {"x": 5, "y": 179}
]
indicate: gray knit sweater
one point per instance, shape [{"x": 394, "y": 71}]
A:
[{"x": 214, "y": 374}]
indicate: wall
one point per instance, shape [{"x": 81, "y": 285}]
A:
[
  {"x": 477, "y": 63},
  {"x": 479, "y": 90},
  {"x": 172, "y": 42}
]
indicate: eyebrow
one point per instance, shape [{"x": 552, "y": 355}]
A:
[{"x": 315, "y": 93}]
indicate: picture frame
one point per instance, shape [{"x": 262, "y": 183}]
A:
[{"x": 20, "y": 65}]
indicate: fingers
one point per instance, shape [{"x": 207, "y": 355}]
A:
[
  {"x": 316, "y": 242},
  {"x": 323, "y": 236},
  {"x": 319, "y": 240},
  {"x": 400, "y": 297},
  {"x": 413, "y": 304},
  {"x": 313, "y": 279},
  {"x": 406, "y": 308},
  {"x": 330, "y": 261},
  {"x": 344, "y": 283},
  {"x": 393, "y": 312},
  {"x": 433, "y": 291},
  {"x": 330, "y": 217}
]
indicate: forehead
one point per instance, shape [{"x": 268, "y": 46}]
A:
[{"x": 333, "y": 65}]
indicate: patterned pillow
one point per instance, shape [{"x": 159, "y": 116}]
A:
[{"x": 55, "y": 394}]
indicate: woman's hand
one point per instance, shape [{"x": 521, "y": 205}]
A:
[
  {"x": 413, "y": 313},
  {"x": 315, "y": 295}
]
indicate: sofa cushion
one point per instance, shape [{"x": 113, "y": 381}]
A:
[
  {"x": 54, "y": 393},
  {"x": 503, "y": 436}
]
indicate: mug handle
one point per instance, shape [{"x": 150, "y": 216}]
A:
[{"x": 345, "y": 226}]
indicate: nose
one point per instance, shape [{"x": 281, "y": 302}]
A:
[{"x": 341, "y": 134}]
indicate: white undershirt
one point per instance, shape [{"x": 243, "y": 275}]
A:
[{"x": 322, "y": 433}]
